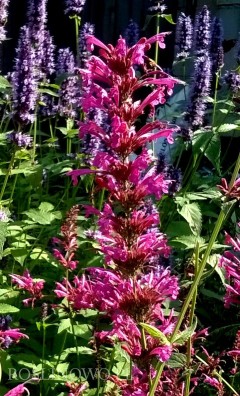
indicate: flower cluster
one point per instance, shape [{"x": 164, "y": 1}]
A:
[
  {"x": 20, "y": 139},
  {"x": 3, "y": 18},
  {"x": 32, "y": 286},
  {"x": 156, "y": 6},
  {"x": 132, "y": 286},
  {"x": 216, "y": 48},
  {"x": 67, "y": 246},
  {"x": 8, "y": 335},
  {"x": 231, "y": 263},
  {"x": 131, "y": 33},
  {"x": 87, "y": 28},
  {"x": 202, "y": 32},
  {"x": 74, "y": 7},
  {"x": 184, "y": 36}
]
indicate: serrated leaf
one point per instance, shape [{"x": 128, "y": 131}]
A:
[
  {"x": 177, "y": 360},
  {"x": 192, "y": 214},
  {"x": 189, "y": 241},
  {"x": 181, "y": 338},
  {"x": 194, "y": 196},
  {"x": 7, "y": 309},
  {"x": 154, "y": 332}
]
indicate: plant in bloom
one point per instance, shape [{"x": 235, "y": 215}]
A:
[
  {"x": 184, "y": 36},
  {"x": 20, "y": 139},
  {"x": 132, "y": 287},
  {"x": 8, "y": 336},
  {"x": 3, "y": 18},
  {"x": 74, "y": 7},
  {"x": 32, "y": 286},
  {"x": 202, "y": 32},
  {"x": 231, "y": 263}
]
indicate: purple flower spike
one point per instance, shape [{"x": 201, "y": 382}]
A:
[
  {"x": 20, "y": 139},
  {"x": 65, "y": 61},
  {"x": 184, "y": 36},
  {"x": 74, "y": 7},
  {"x": 37, "y": 19},
  {"x": 199, "y": 91},
  {"x": 216, "y": 48},
  {"x": 202, "y": 29},
  {"x": 232, "y": 79},
  {"x": 3, "y": 18},
  {"x": 24, "y": 80},
  {"x": 131, "y": 33},
  {"x": 48, "y": 62},
  {"x": 85, "y": 54}
]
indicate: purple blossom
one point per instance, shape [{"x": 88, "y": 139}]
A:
[
  {"x": 199, "y": 90},
  {"x": 3, "y": 216},
  {"x": 65, "y": 61},
  {"x": 156, "y": 6},
  {"x": 20, "y": 139},
  {"x": 74, "y": 7},
  {"x": 87, "y": 28},
  {"x": 184, "y": 36},
  {"x": 24, "y": 80},
  {"x": 202, "y": 32},
  {"x": 48, "y": 48},
  {"x": 132, "y": 33},
  {"x": 216, "y": 48},
  {"x": 232, "y": 79},
  {"x": 3, "y": 18},
  {"x": 170, "y": 173},
  {"x": 70, "y": 91}
]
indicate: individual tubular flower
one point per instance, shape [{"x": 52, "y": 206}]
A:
[
  {"x": 74, "y": 7},
  {"x": 67, "y": 245},
  {"x": 24, "y": 80},
  {"x": 8, "y": 336},
  {"x": 202, "y": 32},
  {"x": 199, "y": 91},
  {"x": 184, "y": 36},
  {"x": 131, "y": 33},
  {"x": 3, "y": 18},
  {"x": 21, "y": 139},
  {"x": 216, "y": 48},
  {"x": 76, "y": 389},
  {"x": 87, "y": 28},
  {"x": 34, "y": 287},
  {"x": 231, "y": 263},
  {"x": 19, "y": 390}
]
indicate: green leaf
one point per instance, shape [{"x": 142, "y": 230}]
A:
[
  {"x": 168, "y": 18},
  {"x": 46, "y": 207},
  {"x": 7, "y": 309},
  {"x": 48, "y": 91},
  {"x": 177, "y": 360},
  {"x": 211, "y": 193},
  {"x": 4, "y": 83},
  {"x": 226, "y": 128},
  {"x": 192, "y": 214},
  {"x": 213, "y": 152},
  {"x": 64, "y": 324},
  {"x": 181, "y": 338},
  {"x": 154, "y": 332},
  {"x": 3, "y": 234},
  {"x": 189, "y": 241}
]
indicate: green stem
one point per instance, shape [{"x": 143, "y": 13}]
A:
[
  {"x": 75, "y": 338},
  {"x": 77, "y": 20},
  {"x": 189, "y": 342},
  {"x": 7, "y": 175},
  {"x": 215, "y": 99},
  {"x": 43, "y": 354},
  {"x": 218, "y": 225},
  {"x": 34, "y": 137}
]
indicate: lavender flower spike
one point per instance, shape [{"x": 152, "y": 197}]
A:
[
  {"x": 184, "y": 36},
  {"x": 202, "y": 29},
  {"x": 74, "y": 7},
  {"x": 37, "y": 18},
  {"x": 24, "y": 80},
  {"x": 156, "y": 6},
  {"x": 216, "y": 48},
  {"x": 131, "y": 33},
  {"x": 87, "y": 28},
  {"x": 3, "y": 18},
  {"x": 20, "y": 139},
  {"x": 199, "y": 91}
]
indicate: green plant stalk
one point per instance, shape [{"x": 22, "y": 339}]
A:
[
  {"x": 215, "y": 98},
  {"x": 77, "y": 20},
  {"x": 34, "y": 137},
  {"x": 218, "y": 225},
  {"x": 189, "y": 342},
  {"x": 43, "y": 354},
  {"x": 7, "y": 175},
  {"x": 75, "y": 338}
]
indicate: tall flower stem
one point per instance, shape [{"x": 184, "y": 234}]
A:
[
  {"x": 34, "y": 137},
  {"x": 189, "y": 343},
  {"x": 202, "y": 265},
  {"x": 215, "y": 99},
  {"x": 7, "y": 175},
  {"x": 43, "y": 353},
  {"x": 77, "y": 20}
]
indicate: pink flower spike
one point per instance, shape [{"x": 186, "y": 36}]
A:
[
  {"x": 17, "y": 391},
  {"x": 163, "y": 352},
  {"x": 13, "y": 333},
  {"x": 159, "y": 38}
]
